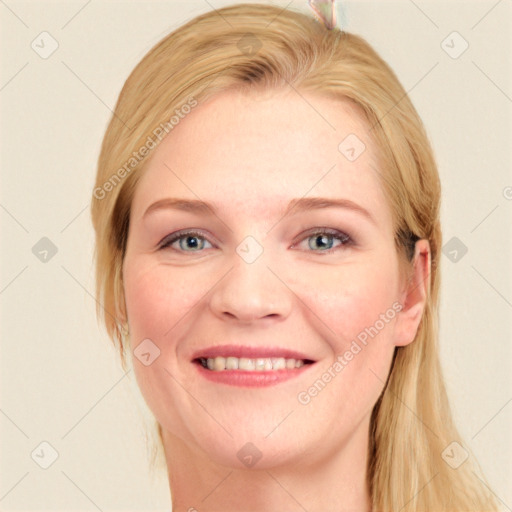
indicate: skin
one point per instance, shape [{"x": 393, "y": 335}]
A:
[{"x": 250, "y": 154}]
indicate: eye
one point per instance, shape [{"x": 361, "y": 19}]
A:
[
  {"x": 324, "y": 240},
  {"x": 188, "y": 241},
  {"x": 327, "y": 240}
]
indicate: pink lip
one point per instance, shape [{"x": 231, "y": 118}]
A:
[
  {"x": 249, "y": 378},
  {"x": 252, "y": 379},
  {"x": 249, "y": 352}
]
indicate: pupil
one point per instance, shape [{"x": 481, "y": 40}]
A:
[
  {"x": 194, "y": 241},
  {"x": 322, "y": 240}
]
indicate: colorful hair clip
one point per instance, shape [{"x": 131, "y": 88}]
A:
[{"x": 325, "y": 11}]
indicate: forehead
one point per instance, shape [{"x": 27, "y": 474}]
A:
[{"x": 260, "y": 149}]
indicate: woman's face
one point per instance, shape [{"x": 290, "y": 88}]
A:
[{"x": 319, "y": 285}]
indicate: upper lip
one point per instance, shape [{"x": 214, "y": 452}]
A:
[{"x": 249, "y": 352}]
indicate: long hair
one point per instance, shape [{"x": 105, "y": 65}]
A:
[{"x": 250, "y": 46}]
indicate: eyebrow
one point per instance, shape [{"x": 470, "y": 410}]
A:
[{"x": 298, "y": 205}]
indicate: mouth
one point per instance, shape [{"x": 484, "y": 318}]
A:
[
  {"x": 259, "y": 364},
  {"x": 250, "y": 366}
]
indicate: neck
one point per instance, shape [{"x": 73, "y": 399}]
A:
[{"x": 336, "y": 482}]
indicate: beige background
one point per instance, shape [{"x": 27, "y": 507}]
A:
[{"x": 60, "y": 380}]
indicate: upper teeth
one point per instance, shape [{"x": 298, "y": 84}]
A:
[{"x": 220, "y": 363}]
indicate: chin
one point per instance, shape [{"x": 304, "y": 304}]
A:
[{"x": 260, "y": 454}]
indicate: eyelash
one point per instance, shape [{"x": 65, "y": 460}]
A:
[{"x": 345, "y": 239}]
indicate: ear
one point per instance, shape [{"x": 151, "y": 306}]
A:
[{"x": 414, "y": 296}]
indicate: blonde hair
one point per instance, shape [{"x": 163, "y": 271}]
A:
[{"x": 250, "y": 46}]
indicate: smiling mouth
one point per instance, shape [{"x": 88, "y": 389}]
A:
[{"x": 259, "y": 364}]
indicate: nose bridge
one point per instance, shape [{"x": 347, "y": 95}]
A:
[{"x": 250, "y": 290}]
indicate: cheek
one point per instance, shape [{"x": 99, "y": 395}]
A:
[
  {"x": 157, "y": 301},
  {"x": 156, "y": 298},
  {"x": 359, "y": 305},
  {"x": 352, "y": 299}
]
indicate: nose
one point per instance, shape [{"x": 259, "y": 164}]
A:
[{"x": 251, "y": 292}]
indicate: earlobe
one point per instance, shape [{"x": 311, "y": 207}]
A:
[{"x": 414, "y": 296}]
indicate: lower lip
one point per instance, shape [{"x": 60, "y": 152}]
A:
[{"x": 252, "y": 379}]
